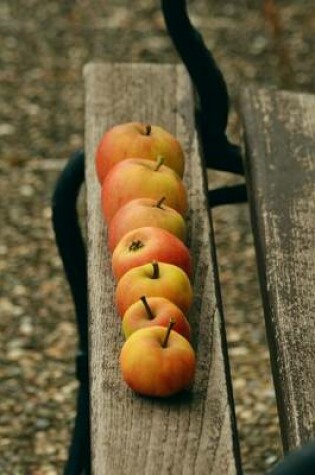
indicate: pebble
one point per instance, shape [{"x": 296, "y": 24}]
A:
[
  {"x": 42, "y": 423},
  {"x": 258, "y": 44},
  {"x": 6, "y": 129},
  {"x": 26, "y": 190},
  {"x": 238, "y": 351},
  {"x": 26, "y": 326},
  {"x": 271, "y": 459}
]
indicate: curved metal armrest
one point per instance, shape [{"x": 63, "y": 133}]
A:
[
  {"x": 73, "y": 254},
  {"x": 210, "y": 86}
]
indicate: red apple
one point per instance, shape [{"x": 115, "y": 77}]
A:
[
  {"x": 152, "y": 311},
  {"x": 144, "y": 245},
  {"x": 144, "y": 212},
  {"x": 136, "y": 139},
  {"x": 154, "y": 280},
  {"x": 139, "y": 178},
  {"x": 157, "y": 362}
]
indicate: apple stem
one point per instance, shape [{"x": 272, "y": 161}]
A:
[
  {"x": 148, "y": 129},
  {"x": 147, "y": 307},
  {"x": 168, "y": 331},
  {"x": 159, "y": 162},
  {"x": 160, "y": 202},
  {"x": 156, "y": 270}
]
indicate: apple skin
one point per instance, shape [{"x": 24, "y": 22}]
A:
[
  {"x": 144, "y": 212},
  {"x": 139, "y": 178},
  {"x": 162, "y": 310},
  {"x": 152, "y": 370},
  {"x": 136, "y": 139},
  {"x": 144, "y": 245},
  {"x": 171, "y": 282}
]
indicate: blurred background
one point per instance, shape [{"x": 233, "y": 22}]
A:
[{"x": 44, "y": 46}]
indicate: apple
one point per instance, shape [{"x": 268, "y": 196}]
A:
[
  {"x": 144, "y": 245},
  {"x": 136, "y": 139},
  {"x": 157, "y": 362},
  {"x": 144, "y": 212},
  {"x": 139, "y": 178},
  {"x": 157, "y": 279},
  {"x": 152, "y": 311}
]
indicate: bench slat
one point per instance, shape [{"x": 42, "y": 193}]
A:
[
  {"x": 193, "y": 433},
  {"x": 280, "y": 142}
]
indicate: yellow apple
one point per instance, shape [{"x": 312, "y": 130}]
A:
[
  {"x": 157, "y": 362},
  {"x": 154, "y": 280}
]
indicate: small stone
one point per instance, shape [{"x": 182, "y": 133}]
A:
[
  {"x": 238, "y": 351},
  {"x": 6, "y": 129},
  {"x": 16, "y": 343},
  {"x": 3, "y": 250},
  {"x": 234, "y": 336},
  {"x": 271, "y": 459},
  {"x": 19, "y": 290},
  {"x": 42, "y": 423},
  {"x": 239, "y": 383},
  {"x": 259, "y": 44},
  {"x": 15, "y": 354},
  {"x": 26, "y": 190},
  {"x": 46, "y": 213},
  {"x": 26, "y": 326}
]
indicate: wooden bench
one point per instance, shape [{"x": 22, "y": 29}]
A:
[
  {"x": 195, "y": 433},
  {"x": 280, "y": 165}
]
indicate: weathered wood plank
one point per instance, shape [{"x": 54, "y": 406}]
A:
[
  {"x": 192, "y": 433},
  {"x": 280, "y": 163}
]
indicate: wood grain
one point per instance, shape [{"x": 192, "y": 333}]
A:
[
  {"x": 280, "y": 163},
  {"x": 191, "y": 433}
]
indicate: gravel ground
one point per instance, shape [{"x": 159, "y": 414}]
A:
[{"x": 44, "y": 46}]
